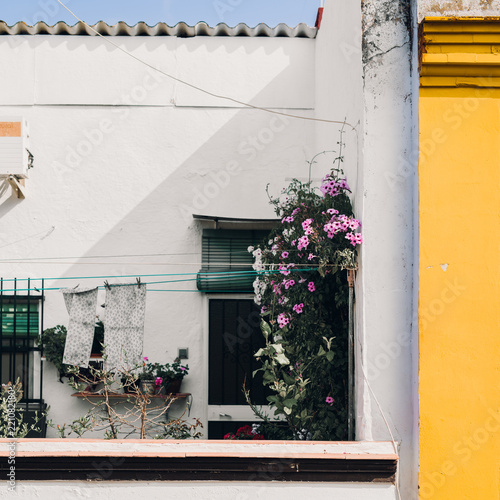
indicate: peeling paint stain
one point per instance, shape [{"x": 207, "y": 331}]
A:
[
  {"x": 376, "y": 16},
  {"x": 444, "y": 267},
  {"x": 429, "y": 267},
  {"x": 441, "y": 7},
  {"x": 457, "y": 7}
]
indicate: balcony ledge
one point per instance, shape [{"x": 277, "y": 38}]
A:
[{"x": 165, "y": 460}]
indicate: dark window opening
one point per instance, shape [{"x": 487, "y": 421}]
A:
[
  {"x": 21, "y": 321},
  {"x": 234, "y": 338}
]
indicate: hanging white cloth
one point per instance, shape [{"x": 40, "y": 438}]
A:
[
  {"x": 124, "y": 326},
  {"x": 81, "y": 306}
]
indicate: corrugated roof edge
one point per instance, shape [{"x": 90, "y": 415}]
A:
[{"x": 181, "y": 30}]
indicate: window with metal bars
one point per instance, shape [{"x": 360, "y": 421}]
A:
[
  {"x": 20, "y": 326},
  {"x": 226, "y": 261}
]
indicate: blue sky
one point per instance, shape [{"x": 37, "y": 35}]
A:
[{"x": 213, "y": 12}]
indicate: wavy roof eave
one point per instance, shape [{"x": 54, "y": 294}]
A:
[{"x": 181, "y": 30}]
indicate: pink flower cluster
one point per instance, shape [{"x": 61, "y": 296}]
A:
[
  {"x": 333, "y": 187},
  {"x": 298, "y": 308},
  {"x": 303, "y": 242},
  {"x": 288, "y": 283},
  {"x": 285, "y": 269},
  {"x": 287, "y": 219},
  {"x": 306, "y": 226},
  {"x": 283, "y": 320},
  {"x": 354, "y": 238},
  {"x": 311, "y": 286},
  {"x": 343, "y": 223}
]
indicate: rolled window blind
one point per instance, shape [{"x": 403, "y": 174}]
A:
[{"x": 226, "y": 261}]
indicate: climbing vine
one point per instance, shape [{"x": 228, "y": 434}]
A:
[{"x": 304, "y": 306}]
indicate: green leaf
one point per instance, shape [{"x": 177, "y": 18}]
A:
[
  {"x": 330, "y": 355},
  {"x": 282, "y": 359},
  {"x": 266, "y": 329},
  {"x": 273, "y": 399}
]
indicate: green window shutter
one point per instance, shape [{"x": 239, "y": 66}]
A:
[
  {"x": 17, "y": 316},
  {"x": 226, "y": 261}
]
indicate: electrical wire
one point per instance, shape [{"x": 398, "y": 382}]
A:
[
  {"x": 235, "y": 274},
  {"x": 212, "y": 94},
  {"x": 228, "y": 264},
  {"x": 101, "y": 256},
  {"x": 119, "y": 256},
  {"x": 54, "y": 260}
]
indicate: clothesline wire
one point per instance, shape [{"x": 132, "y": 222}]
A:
[
  {"x": 52, "y": 289},
  {"x": 227, "y": 264},
  {"x": 212, "y": 94},
  {"x": 235, "y": 274},
  {"x": 204, "y": 273}
]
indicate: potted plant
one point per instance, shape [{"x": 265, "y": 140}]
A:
[{"x": 155, "y": 376}]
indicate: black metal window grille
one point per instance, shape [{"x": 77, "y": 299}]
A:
[{"x": 21, "y": 322}]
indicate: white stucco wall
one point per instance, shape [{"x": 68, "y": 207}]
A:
[
  {"x": 386, "y": 306},
  {"x": 74, "y": 490},
  {"x": 124, "y": 157}
]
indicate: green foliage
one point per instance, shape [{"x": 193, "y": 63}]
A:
[
  {"x": 181, "y": 429},
  {"x": 53, "y": 341},
  {"x": 305, "y": 307},
  {"x": 167, "y": 372},
  {"x": 12, "y": 424}
]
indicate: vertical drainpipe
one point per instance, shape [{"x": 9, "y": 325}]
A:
[{"x": 350, "y": 353}]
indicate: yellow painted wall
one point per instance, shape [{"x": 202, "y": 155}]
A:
[{"x": 459, "y": 294}]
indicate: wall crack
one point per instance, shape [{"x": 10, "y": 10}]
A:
[{"x": 380, "y": 54}]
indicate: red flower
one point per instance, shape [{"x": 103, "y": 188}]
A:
[{"x": 246, "y": 430}]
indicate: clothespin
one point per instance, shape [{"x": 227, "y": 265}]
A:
[
  {"x": 106, "y": 284},
  {"x": 138, "y": 282}
]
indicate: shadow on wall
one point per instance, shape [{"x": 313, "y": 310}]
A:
[{"x": 236, "y": 154}]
